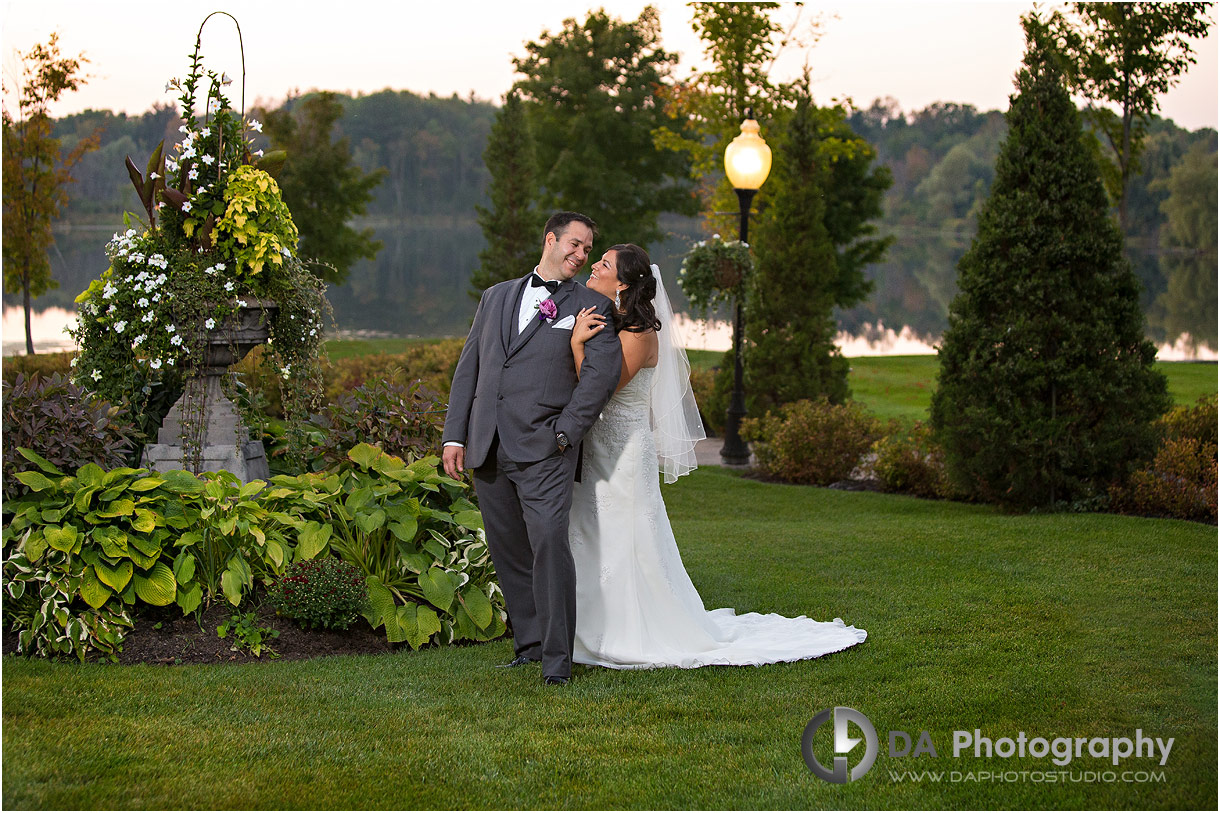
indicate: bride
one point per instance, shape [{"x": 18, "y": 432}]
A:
[{"x": 636, "y": 605}]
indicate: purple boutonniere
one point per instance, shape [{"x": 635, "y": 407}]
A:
[{"x": 547, "y": 309}]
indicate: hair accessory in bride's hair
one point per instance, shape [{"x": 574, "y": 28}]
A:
[{"x": 676, "y": 425}]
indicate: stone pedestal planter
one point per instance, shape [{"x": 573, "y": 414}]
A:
[{"x": 225, "y": 442}]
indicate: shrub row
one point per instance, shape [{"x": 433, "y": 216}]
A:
[
  {"x": 83, "y": 551},
  {"x": 430, "y": 363},
  {"x": 1180, "y": 482},
  {"x": 818, "y": 443}
]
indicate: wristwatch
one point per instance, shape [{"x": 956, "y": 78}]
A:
[{"x": 562, "y": 440}]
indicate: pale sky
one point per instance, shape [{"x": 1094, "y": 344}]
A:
[{"x": 917, "y": 52}]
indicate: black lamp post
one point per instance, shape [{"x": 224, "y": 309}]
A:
[{"x": 747, "y": 162}]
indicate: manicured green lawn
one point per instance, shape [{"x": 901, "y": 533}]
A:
[
  {"x": 901, "y": 386},
  {"x": 1055, "y": 625}
]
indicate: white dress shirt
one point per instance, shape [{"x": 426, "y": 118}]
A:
[{"x": 530, "y": 300}]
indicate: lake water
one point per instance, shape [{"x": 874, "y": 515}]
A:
[
  {"x": 48, "y": 328},
  {"x": 419, "y": 286}
]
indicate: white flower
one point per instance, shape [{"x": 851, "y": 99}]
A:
[
  {"x": 182, "y": 128},
  {"x": 110, "y": 310},
  {"x": 241, "y": 303},
  {"x": 72, "y": 363},
  {"x": 155, "y": 364},
  {"x": 286, "y": 371},
  {"x": 210, "y": 323},
  {"x": 170, "y": 362},
  {"x": 715, "y": 236},
  {"x": 148, "y": 317},
  {"x": 207, "y": 159},
  {"x": 143, "y": 303},
  {"x": 154, "y": 176},
  {"x": 158, "y": 261},
  {"x": 256, "y": 125},
  {"x": 188, "y": 151},
  {"x": 119, "y": 326},
  {"x": 220, "y": 266},
  {"x": 176, "y": 340},
  {"x": 313, "y": 331},
  {"x": 137, "y": 258},
  {"x": 213, "y": 106},
  {"x": 170, "y": 85},
  {"x": 109, "y": 291},
  {"x": 156, "y": 297},
  {"x": 170, "y": 329},
  {"x": 96, "y": 375},
  {"x": 193, "y": 174},
  {"x": 138, "y": 340},
  {"x": 186, "y": 206},
  {"x": 259, "y": 153},
  {"x": 225, "y": 79},
  {"x": 229, "y": 285}
]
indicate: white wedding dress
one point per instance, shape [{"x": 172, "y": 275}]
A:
[{"x": 636, "y": 607}]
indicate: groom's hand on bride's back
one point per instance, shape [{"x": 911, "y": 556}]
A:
[{"x": 454, "y": 459}]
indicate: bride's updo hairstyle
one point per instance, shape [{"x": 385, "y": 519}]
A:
[{"x": 636, "y": 313}]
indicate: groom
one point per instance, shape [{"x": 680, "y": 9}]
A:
[{"x": 516, "y": 410}]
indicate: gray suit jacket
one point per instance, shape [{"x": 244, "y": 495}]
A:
[{"x": 524, "y": 386}]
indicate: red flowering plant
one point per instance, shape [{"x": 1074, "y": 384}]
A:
[{"x": 323, "y": 593}]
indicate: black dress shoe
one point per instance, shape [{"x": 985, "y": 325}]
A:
[
  {"x": 520, "y": 660},
  {"x": 555, "y": 681}
]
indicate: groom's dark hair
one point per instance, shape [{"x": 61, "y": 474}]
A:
[{"x": 560, "y": 221}]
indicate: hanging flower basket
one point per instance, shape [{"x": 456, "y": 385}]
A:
[{"x": 714, "y": 271}]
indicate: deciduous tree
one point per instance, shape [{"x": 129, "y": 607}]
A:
[
  {"x": 1127, "y": 55},
  {"x": 592, "y": 93},
  {"x": 35, "y": 171},
  {"x": 322, "y": 186}
]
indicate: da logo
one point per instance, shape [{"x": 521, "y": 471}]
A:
[{"x": 844, "y": 744}]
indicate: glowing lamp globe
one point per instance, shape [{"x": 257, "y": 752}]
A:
[{"x": 747, "y": 160}]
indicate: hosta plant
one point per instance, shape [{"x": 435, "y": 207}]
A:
[{"x": 413, "y": 534}]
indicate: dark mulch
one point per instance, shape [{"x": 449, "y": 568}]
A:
[{"x": 183, "y": 639}]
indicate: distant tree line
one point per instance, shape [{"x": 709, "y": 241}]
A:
[{"x": 941, "y": 158}]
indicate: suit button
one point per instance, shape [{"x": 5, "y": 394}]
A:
[{"x": 500, "y": 397}]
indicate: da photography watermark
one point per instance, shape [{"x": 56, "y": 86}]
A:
[
  {"x": 844, "y": 744},
  {"x": 1081, "y": 756}
]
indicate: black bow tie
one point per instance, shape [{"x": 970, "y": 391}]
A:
[{"x": 552, "y": 285}]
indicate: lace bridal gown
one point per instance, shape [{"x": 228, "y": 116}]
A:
[{"x": 636, "y": 606}]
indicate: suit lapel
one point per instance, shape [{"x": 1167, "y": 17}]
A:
[
  {"x": 509, "y": 312},
  {"x": 559, "y": 297}
]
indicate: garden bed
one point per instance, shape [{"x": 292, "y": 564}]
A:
[{"x": 182, "y": 639}]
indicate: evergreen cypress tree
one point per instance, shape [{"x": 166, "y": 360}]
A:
[
  {"x": 511, "y": 226},
  {"x": 1046, "y": 389},
  {"x": 790, "y": 352}
]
